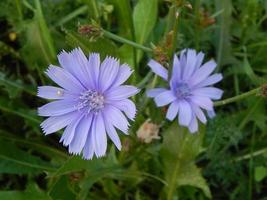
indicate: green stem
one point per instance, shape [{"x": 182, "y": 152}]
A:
[
  {"x": 174, "y": 39},
  {"x": 238, "y": 97},
  {"x": 125, "y": 41},
  {"x": 145, "y": 80},
  {"x": 254, "y": 154},
  {"x": 72, "y": 15}
]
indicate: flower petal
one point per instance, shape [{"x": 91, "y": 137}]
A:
[
  {"x": 172, "y": 110},
  {"x": 51, "y": 92},
  {"x": 112, "y": 133},
  {"x": 53, "y": 124},
  {"x": 215, "y": 78},
  {"x": 69, "y": 132},
  {"x": 56, "y": 108},
  {"x": 123, "y": 74},
  {"x": 155, "y": 92},
  {"x": 116, "y": 118},
  {"x": 202, "y": 102},
  {"x": 100, "y": 136},
  {"x": 76, "y": 63},
  {"x": 193, "y": 126},
  {"x": 165, "y": 98},
  {"x": 93, "y": 69},
  {"x": 158, "y": 69},
  {"x": 127, "y": 106},
  {"x": 121, "y": 92},
  {"x": 185, "y": 113},
  {"x": 211, "y": 113},
  {"x": 108, "y": 73},
  {"x": 190, "y": 64},
  {"x": 199, "y": 59},
  {"x": 64, "y": 79},
  {"x": 211, "y": 92},
  {"x": 199, "y": 113},
  {"x": 203, "y": 72},
  {"x": 176, "y": 71},
  {"x": 80, "y": 135},
  {"x": 89, "y": 147}
]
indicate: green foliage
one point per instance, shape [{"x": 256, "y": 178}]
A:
[{"x": 179, "y": 149}]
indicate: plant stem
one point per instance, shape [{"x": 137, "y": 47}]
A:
[
  {"x": 238, "y": 97},
  {"x": 125, "y": 41},
  {"x": 174, "y": 38}
]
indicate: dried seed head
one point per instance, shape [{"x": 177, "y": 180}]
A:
[
  {"x": 92, "y": 31},
  {"x": 148, "y": 131},
  {"x": 263, "y": 90}
]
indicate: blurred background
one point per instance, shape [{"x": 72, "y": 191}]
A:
[{"x": 227, "y": 159}]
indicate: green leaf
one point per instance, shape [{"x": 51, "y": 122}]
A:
[
  {"x": 25, "y": 113},
  {"x": 260, "y": 173},
  {"x": 31, "y": 193},
  {"x": 14, "y": 87},
  {"x": 58, "y": 193},
  {"x": 144, "y": 18},
  {"x": 101, "y": 45},
  {"x": 178, "y": 152},
  {"x": 223, "y": 37},
  {"x": 17, "y": 161},
  {"x": 123, "y": 13}
]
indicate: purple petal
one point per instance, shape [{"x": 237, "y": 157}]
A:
[
  {"x": 193, "y": 126},
  {"x": 165, "y": 98},
  {"x": 53, "y": 124},
  {"x": 202, "y": 102},
  {"x": 121, "y": 92},
  {"x": 64, "y": 79},
  {"x": 89, "y": 147},
  {"x": 185, "y": 113},
  {"x": 108, "y": 73},
  {"x": 116, "y": 118},
  {"x": 93, "y": 69},
  {"x": 215, "y": 78},
  {"x": 56, "y": 108},
  {"x": 112, "y": 133},
  {"x": 80, "y": 135},
  {"x": 75, "y": 63},
  {"x": 155, "y": 92},
  {"x": 211, "y": 92},
  {"x": 127, "y": 106},
  {"x": 190, "y": 64},
  {"x": 51, "y": 92},
  {"x": 211, "y": 113},
  {"x": 199, "y": 59},
  {"x": 100, "y": 136},
  {"x": 123, "y": 74},
  {"x": 199, "y": 113},
  {"x": 172, "y": 110},
  {"x": 69, "y": 132},
  {"x": 158, "y": 69},
  {"x": 176, "y": 71},
  {"x": 203, "y": 72}
]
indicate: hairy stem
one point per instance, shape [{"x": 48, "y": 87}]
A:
[
  {"x": 238, "y": 97},
  {"x": 174, "y": 39}
]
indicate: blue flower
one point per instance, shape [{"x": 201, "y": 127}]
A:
[
  {"x": 189, "y": 91},
  {"x": 91, "y": 102}
]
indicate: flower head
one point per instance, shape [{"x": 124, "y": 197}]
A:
[
  {"x": 189, "y": 92},
  {"x": 91, "y": 102}
]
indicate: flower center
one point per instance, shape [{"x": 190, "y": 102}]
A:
[
  {"x": 91, "y": 99},
  {"x": 182, "y": 91}
]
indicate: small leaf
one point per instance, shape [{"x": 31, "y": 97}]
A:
[
  {"x": 31, "y": 193},
  {"x": 144, "y": 18},
  {"x": 179, "y": 150},
  {"x": 17, "y": 161},
  {"x": 260, "y": 173}
]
